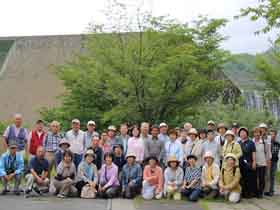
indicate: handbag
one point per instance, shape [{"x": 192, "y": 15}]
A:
[{"x": 88, "y": 192}]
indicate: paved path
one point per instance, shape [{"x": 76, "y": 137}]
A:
[{"x": 53, "y": 203}]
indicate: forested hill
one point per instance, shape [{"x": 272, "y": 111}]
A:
[{"x": 242, "y": 70}]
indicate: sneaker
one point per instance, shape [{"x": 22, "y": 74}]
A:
[
  {"x": 268, "y": 194},
  {"x": 36, "y": 190},
  {"x": 4, "y": 192},
  {"x": 17, "y": 192},
  {"x": 61, "y": 196}
]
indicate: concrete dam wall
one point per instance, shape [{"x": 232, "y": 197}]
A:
[{"x": 26, "y": 81}]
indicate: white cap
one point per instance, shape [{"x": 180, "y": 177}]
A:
[
  {"x": 91, "y": 122},
  {"x": 211, "y": 122},
  {"x": 112, "y": 128},
  {"x": 263, "y": 125},
  {"x": 163, "y": 124},
  {"x": 229, "y": 132},
  {"x": 76, "y": 121}
]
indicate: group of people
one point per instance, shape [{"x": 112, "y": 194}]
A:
[{"x": 153, "y": 161}]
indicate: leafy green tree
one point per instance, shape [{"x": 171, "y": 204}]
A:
[
  {"x": 150, "y": 69},
  {"x": 229, "y": 113},
  {"x": 268, "y": 10}
]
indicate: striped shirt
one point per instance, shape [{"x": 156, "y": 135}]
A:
[{"x": 192, "y": 174}]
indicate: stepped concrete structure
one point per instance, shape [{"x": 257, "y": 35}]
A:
[{"x": 26, "y": 80}]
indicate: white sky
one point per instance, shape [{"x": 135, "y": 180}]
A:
[{"x": 49, "y": 17}]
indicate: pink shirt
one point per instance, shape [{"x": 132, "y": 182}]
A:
[{"x": 136, "y": 146}]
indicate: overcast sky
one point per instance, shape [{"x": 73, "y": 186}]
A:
[{"x": 49, "y": 17}]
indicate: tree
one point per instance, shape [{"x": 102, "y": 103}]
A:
[
  {"x": 268, "y": 10},
  {"x": 148, "y": 69}
]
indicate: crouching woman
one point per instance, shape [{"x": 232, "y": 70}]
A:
[
  {"x": 64, "y": 181},
  {"x": 109, "y": 186},
  {"x": 229, "y": 179},
  {"x": 87, "y": 176},
  {"x": 153, "y": 180}
]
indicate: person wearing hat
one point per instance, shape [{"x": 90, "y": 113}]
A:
[
  {"x": 63, "y": 146},
  {"x": 131, "y": 177},
  {"x": 213, "y": 146},
  {"x": 173, "y": 179},
  {"x": 210, "y": 176},
  {"x": 136, "y": 145},
  {"x": 192, "y": 180},
  {"x": 231, "y": 146},
  {"x": 37, "y": 178},
  {"x": 119, "y": 158},
  {"x": 174, "y": 147},
  {"x": 211, "y": 125},
  {"x": 263, "y": 158},
  {"x": 247, "y": 164},
  {"x": 155, "y": 147},
  {"x": 109, "y": 185},
  {"x": 220, "y": 138},
  {"x": 163, "y": 132},
  {"x": 112, "y": 135},
  {"x": 194, "y": 147},
  {"x": 230, "y": 178},
  {"x": 234, "y": 128},
  {"x": 64, "y": 181},
  {"x": 105, "y": 143},
  {"x": 91, "y": 126},
  {"x": 76, "y": 138},
  {"x": 87, "y": 174},
  {"x": 11, "y": 167},
  {"x": 97, "y": 151},
  {"x": 152, "y": 180},
  {"x": 51, "y": 143}
]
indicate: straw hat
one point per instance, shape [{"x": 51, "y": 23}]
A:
[
  {"x": 171, "y": 159},
  {"x": 208, "y": 154},
  {"x": 193, "y": 131}
]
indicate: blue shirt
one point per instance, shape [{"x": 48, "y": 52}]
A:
[
  {"x": 39, "y": 165},
  {"x": 132, "y": 174},
  {"x": 8, "y": 162},
  {"x": 174, "y": 148}
]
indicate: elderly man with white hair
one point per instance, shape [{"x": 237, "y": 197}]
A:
[
  {"x": 76, "y": 138},
  {"x": 17, "y": 133}
]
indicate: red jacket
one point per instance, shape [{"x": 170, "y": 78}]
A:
[{"x": 36, "y": 141}]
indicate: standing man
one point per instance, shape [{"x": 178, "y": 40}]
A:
[
  {"x": 247, "y": 164},
  {"x": 76, "y": 138},
  {"x": 91, "y": 126},
  {"x": 145, "y": 128},
  {"x": 11, "y": 167},
  {"x": 51, "y": 143},
  {"x": 275, "y": 148},
  {"x": 210, "y": 145},
  {"x": 112, "y": 136},
  {"x": 36, "y": 138},
  {"x": 123, "y": 137},
  {"x": 211, "y": 125},
  {"x": 16, "y": 133},
  {"x": 163, "y": 136},
  {"x": 154, "y": 147}
]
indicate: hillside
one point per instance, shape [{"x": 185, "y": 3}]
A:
[
  {"x": 5, "y": 45},
  {"x": 242, "y": 70}
]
